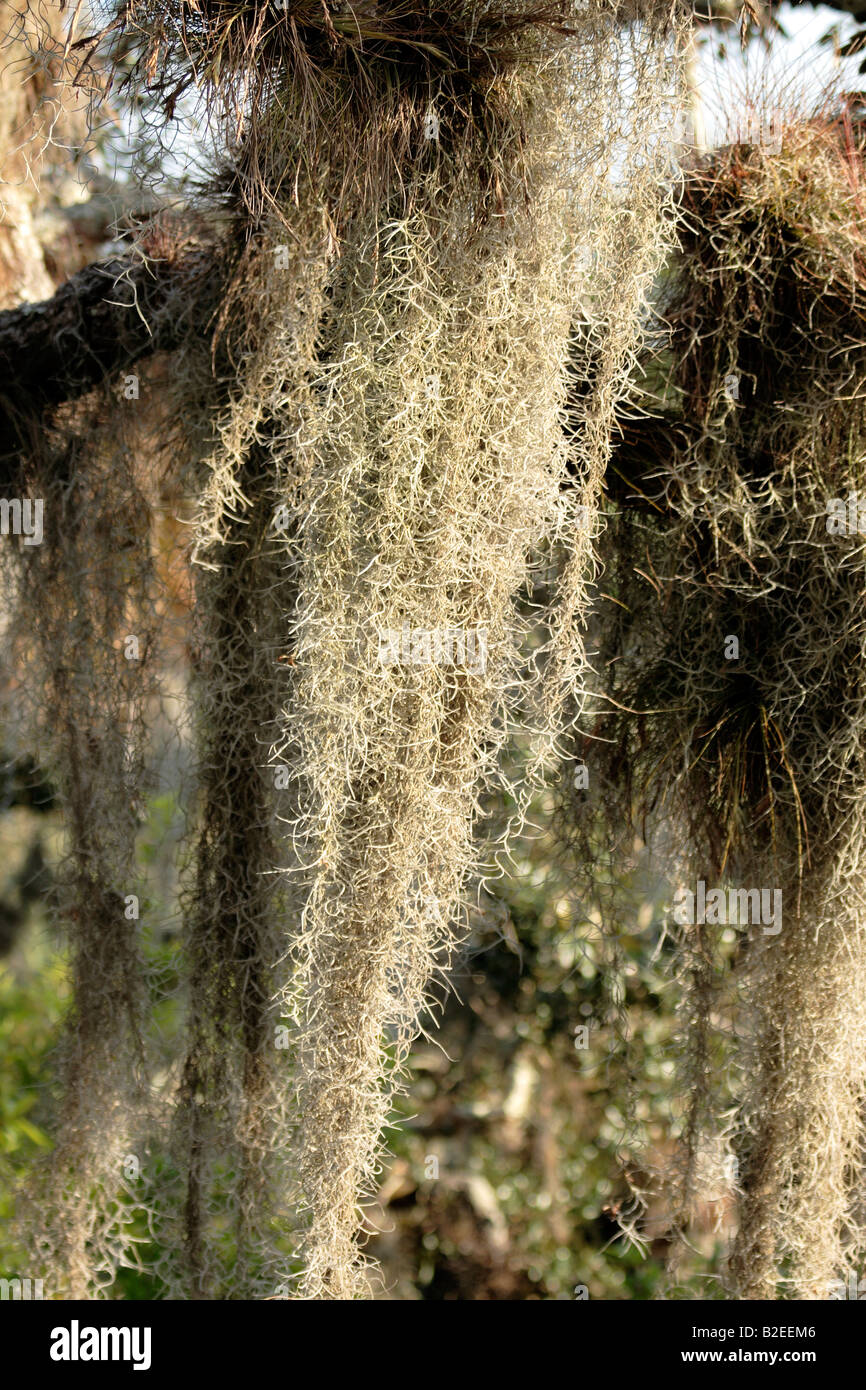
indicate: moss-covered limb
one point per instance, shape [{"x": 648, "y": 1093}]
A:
[{"x": 101, "y": 322}]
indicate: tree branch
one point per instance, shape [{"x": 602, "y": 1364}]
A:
[{"x": 99, "y": 323}]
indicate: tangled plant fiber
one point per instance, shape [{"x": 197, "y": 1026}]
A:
[
  {"x": 438, "y": 485},
  {"x": 449, "y": 225},
  {"x": 749, "y": 771},
  {"x": 80, "y": 638}
]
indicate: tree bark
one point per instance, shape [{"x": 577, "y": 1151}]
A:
[{"x": 99, "y": 323}]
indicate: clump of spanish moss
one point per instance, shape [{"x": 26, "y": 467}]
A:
[
  {"x": 79, "y": 632},
  {"x": 229, "y": 1123},
  {"x": 734, "y": 740},
  {"x": 449, "y": 221},
  {"x": 231, "y": 1082},
  {"x": 339, "y": 93},
  {"x": 408, "y": 374},
  {"x": 435, "y": 487},
  {"x": 232, "y": 1135}
]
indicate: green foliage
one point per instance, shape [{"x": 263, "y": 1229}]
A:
[{"x": 31, "y": 1005}]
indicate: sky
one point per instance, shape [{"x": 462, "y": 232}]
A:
[{"x": 740, "y": 85}]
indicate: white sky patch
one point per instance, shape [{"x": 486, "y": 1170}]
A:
[{"x": 793, "y": 74}]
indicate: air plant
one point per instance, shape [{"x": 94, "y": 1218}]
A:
[
  {"x": 442, "y": 219},
  {"x": 733, "y": 741}
]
